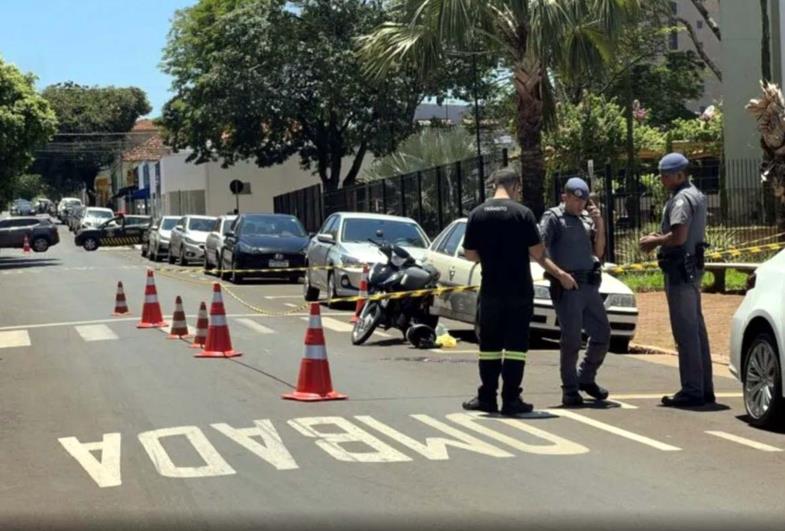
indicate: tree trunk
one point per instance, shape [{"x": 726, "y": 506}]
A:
[
  {"x": 699, "y": 47},
  {"x": 713, "y": 26},
  {"x": 351, "y": 177},
  {"x": 528, "y": 86}
]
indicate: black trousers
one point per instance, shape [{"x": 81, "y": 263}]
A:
[{"x": 504, "y": 340}]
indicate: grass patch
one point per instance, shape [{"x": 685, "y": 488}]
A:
[{"x": 654, "y": 281}]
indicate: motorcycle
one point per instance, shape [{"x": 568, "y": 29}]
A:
[{"x": 410, "y": 315}]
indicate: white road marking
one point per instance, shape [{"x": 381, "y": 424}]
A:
[
  {"x": 106, "y": 471},
  {"x": 214, "y": 463},
  {"x": 558, "y": 446},
  {"x": 614, "y": 430},
  {"x": 334, "y": 324},
  {"x": 380, "y": 333},
  {"x": 274, "y": 297},
  {"x": 95, "y": 332},
  {"x": 290, "y": 305},
  {"x": 435, "y": 448},
  {"x": 623, "y": 405},
  {"x": 453, "y": 351},
  {"x": 744, "y": 441},
  {"x": 271, "y": 450},
  {"x": 332, "y": 441},
  {"x": 16, "y": 338},
  {"x": 255, "y": 327}
]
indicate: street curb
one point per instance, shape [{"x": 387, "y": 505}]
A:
[{"x": 636, "y": 348}]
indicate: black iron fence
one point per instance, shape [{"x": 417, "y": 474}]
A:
[{"x": 740, "y": 208}]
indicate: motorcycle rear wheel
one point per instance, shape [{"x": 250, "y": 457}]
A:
[{"x": 369, "y": 319}]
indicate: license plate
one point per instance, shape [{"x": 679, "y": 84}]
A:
[{"x": 279, "y": 263}]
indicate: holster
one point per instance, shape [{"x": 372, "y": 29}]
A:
[
  {"x": 556, "y": 289},
  {"x": 700, "y": 255},
  {"x": 678, "y": 265}
]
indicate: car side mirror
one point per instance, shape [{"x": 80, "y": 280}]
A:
[
  {"x": 326, "y": 238},
  {"x": 461, "y": 252}
]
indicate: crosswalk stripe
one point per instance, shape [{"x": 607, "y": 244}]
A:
[
  {"x": 256, "y": 327},
  {"x": 744, "y": 441},
  {"x": 14, "y": 338},
  {"x": 95, "y": 332},
  {"x": 614, "y": 430},
  {"x": 333, "y": 324}
]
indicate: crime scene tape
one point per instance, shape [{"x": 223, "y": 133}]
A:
[{"x": 265, "y": 270}]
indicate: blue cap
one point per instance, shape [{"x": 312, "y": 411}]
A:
[
  {"x": 577, "y": 187},
  {"x": 673, "y": 162}
]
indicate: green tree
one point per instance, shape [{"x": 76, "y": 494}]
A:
[
  {"x": 531, "y": 38},
  {"x": 26, "y": 123},
  {"x": 269, "y": 79},
  {"x": 83, "y": 113}
]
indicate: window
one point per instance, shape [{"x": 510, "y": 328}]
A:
[
  {"x": 169, "y": 223},
  {"x": 280, "y": 226},
  {"x": 382, "y": 230},
  {"x": 326, "y": 224},
  {"x": 453, "y": 241},
  {"x": 201, "y": 224}
]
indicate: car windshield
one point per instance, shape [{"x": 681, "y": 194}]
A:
[
  {"x": 99, "y": 214},
  {"x": 382, "y": 230},
  {"x": 168, "y": 224},
  {"x": 201, "y": 224},
  {"x": 273, "y": 226}
]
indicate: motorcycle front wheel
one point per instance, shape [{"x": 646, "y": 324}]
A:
[{"x": 369, "y": 319}]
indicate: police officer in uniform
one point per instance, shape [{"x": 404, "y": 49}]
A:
[
  {"x": 681, "y": 257},
  {"x": 574, "y": 236},
  {"x": 502, "y": 235}
]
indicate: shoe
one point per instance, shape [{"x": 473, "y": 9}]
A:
[
  {"x": 709, "y": 398},
  {"x": 571, "y": 399},
  {"x": 594, "y": 391},
  {"x": 475, "y": 404},
  {"x": 516, "y": 407},
  {"x": 682, "y": 400}
]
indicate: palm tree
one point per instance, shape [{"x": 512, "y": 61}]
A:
[{"x": 536, "y": 40}]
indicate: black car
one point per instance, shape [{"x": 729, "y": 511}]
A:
[
  {"x": 41, "y": 233},
  {"x": 264, "y": 241},
  {"x": 115, "y": 232}
]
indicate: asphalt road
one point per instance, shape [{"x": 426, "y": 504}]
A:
[{"x": 105, "y": 425}]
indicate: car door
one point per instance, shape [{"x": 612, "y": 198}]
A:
[
  {"x": 212, "y": 242},
  {"x": 455, "y": 271},
  {"x": 230, "y": 242},
  {"x": 464, "y": 273},
  {"x": 177, "y": 236},
  {"x": 317, "y": 253},
  {"x": 6, "y": 226}
]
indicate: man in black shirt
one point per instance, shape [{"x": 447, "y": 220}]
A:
[{"x": 502, "y": 234}]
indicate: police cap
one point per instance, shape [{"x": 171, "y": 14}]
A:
[
  {"x": 673, "y": 162},
  {"x": 577, "y": 187}
]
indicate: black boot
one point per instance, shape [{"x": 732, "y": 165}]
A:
[
  {"x": 478, "y": 404},
  {"x": 571, "y": 399},
  {"x": 594, "y": 391}
]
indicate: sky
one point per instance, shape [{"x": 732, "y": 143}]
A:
[{"x": 90, "y": 42}]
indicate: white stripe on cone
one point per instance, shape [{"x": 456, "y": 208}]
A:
[
  {"x": 315, "y": 352},
  {"x": 150, "y": 299},
  {"x": 218, "y": 320}
]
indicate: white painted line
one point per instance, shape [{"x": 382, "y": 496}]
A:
[
  {"x": 744, "y": 441},
  {"x": 16, "y": 338},
  {"x": 381, "y": 333},
  {"x": 274, "y": 297},
  {"x": 334, "y": 324},
  {"x": 255, "y": 327},
  {"x": 96, "y": 332},
  {"x": 290, "y": 305},
  {"x": 613, "y": 429},
  {"x": 623, "y": 405},
  {"x": 453, "y": 351}
]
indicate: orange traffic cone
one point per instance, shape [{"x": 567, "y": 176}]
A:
[
  {"x": 151, "y": 313},
  {"x": 314, "y": 381},
  {"x": 120, "y": 306},
  {"x": 179, "y": 325},
  {"x": 363, "y": 293},
  {"x": 218, "y": 343},
  {"x": 201, "y": 327},
  {"x": 26, "y": 245}
]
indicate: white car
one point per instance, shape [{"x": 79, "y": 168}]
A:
[
  {"x": 342, "y": 246},
  {"x": 94, "y": 216},
  {"x": 65, "y": 205},
  {"x": 160, "y": 233},
  {"x": 447, "y": 256},
  {"x": 757, "y": 343},
  {"x": 213, "y": 246},
  {"x": 186, "y": 240}
]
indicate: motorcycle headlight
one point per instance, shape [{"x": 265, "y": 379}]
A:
[
  {"x": 620, "y": 300},
  {"x": 542, "y": 293}
]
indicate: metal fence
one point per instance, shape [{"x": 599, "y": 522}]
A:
[
  {"x": 305, "y": 203},
  {"x": 740, "y": 208}
]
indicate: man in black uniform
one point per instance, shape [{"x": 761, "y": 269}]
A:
[{"x": 502, "y": 234}]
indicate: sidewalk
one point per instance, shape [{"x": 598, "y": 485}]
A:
[{"x": 654, "y": 323}]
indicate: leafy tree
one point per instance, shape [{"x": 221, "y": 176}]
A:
[
  {"x": 29, "y": 186},
  {"x": 425, "y": 149},
  {"x": 531, "y": 38},
  {"x": 26, "y": 123},
  {"x": 76, "y": 160},
  {"x": 706, "y": 131},
  {"x": 269, "y": 79}
]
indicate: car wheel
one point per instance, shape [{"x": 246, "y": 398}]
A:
[
  {"x": 170, "y": 257},
  {"x": 40, "y": 245},
  {"x": 309, "y": 292},
  {"x": 331, "y": 291},
  {"x": 235, "y": 278},
  {"x": 763, "y": 382},
  {"x": 220, "y": 272},
  {"x": 619, "y": 345},
  {"x": 90, "y": 244}
]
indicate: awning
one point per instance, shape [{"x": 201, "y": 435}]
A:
[{"x": 144, "y": 193}]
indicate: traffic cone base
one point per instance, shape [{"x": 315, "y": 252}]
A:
[
  {"x": 315, "y": 375},
  {"x": 218, "y": 354},
  {"x": 26, "y": 245}
]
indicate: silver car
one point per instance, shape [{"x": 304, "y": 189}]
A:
[
  {"x": 160, "y": 232},
  {"x": 187, "y": 239},
  {"x": 342, "y": 245},
  {"x": 93, "y": 217},
  {"x": 214, "y": 244}
]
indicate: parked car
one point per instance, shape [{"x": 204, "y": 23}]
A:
[
  {"x": 757, "y": 344},
  {"x": 65, "y": 205},
  {"x": 94, "y": 216},
  {"x": 263, "y": 241},
  {"x": 41, "y": 233},
  {"x": 22, "y": 207},
  {"x": 158, "y": 237},
  {"x": 112, "y": 233},
  {"x": 187, "y": 239},
  {"x": 446, "y": 255},
  {"x": 214, "y": 244},
  {"x": 74, "y": 217},
  {"x": 342, "y": 244}
]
